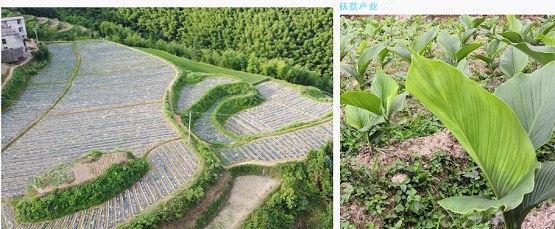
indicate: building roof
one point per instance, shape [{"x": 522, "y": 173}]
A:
[{"x": 12, "y": 18}]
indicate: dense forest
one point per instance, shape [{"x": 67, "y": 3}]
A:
[{"x": 285, "y": 43}]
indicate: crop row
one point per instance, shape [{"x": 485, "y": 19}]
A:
[
  {"x": 205, "y": 129},
  {"x": 115, "y": 89},
  {"x": 34, "y": 101},
  {"x": 286, "y": 146},
  {"x": 191, "y": 93},
  {"x": 61, "y": 65},
  {"x": 97, "y": 57},
  {"x": 172, "y": 164},
  {"x": 283, "y": 106},
  {"x": 59, "y": 139}
]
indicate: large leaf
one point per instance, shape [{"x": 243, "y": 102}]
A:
[
  {"x": 544, "y": 188},
  {"x": 532, "y": 98},
  {"x": 420, "y": 45},
  {"x": 543, "y": 54},
  {"x": 463, "y": 67},
  {"x": 485, "y": 126},
  {"x": 547, "y": 40},
  {"x": 512, "y": 36},
  {"x": 466, "y": 204},
  {"x": 399, "y": 99},
  {"x": 385, "y": 88},
  {"x": 349, "y": 70},
  {"x": 464, "y": 51},
  {"x": 367, "y": 56},
  {"x": 494, "y": 48},
  {"x": 514, "y": 23},
  {"x": 344, "y": 41},
  {"x": 403, "y": 52},
  {"x": 513, "y": 61},
  {"x": 357, "y": 117},
  {"x": 362, "y": 99},
  {"x": 449, "y": 44}
]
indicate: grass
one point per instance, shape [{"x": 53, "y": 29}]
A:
[{"x": 191, "y": 65}]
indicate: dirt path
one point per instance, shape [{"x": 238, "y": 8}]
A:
[
  {"x": 247, "y": 193},
  {"x": 10, "y": 69},
  {"x": 65, "y": 27},
  {"x": 211, "y": 194},
  {"x": 53, "y": 23},
  {"x": 41, "y": 20}
]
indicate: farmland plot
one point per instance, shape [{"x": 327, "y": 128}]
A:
[
  {"x": 172, "y": 165},
  {"x": 113, "y": 89},
  {"x": 205, "y": 129},
  {"x": 59, "y": 139},
  {"x": 283, "y": 106},
  {"x": 281, "y": 147},
  {"x": 100, "y": 57},
  {"x": 37, "y": 99},
  {"x": 190, "y": 93}
]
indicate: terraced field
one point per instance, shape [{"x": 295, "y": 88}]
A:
[
  {"x": 172, "y": 164},
  {"x": 282, "y": 107},
  {"x": 281, "y": 147},
  {"x": 36, "y": 99},
  {"x": 190, "y": 93},
  {"x": 205, "y": 129},
  {"x": 114, "y": 102}
]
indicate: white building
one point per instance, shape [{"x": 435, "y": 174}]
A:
[
  {"x": 17, "y": 23},
  {"x": 13, "y": 39}
]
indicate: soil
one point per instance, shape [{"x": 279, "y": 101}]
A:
[
  {"x": 247, "y": 192},
  {"x": 5, "y": 68},
  {"x": 65, "y": 27},
  {"x": 41, "y": 20},
  {"x": 211, "y": 194},
  {"x": 541, "y": 218},
  {"x": 85, "y": 170},
  {"x": 53, "y": 23}
]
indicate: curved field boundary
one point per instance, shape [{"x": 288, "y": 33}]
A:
[
  {"x": 192, "y": 92},
  {"x": 292, "y": 145},
  {"x": 172, "y": 165},
  {"x": 283, "y": 106},
  {"x": 45, "y": 104},
  {"x": 205, "y": 129}
]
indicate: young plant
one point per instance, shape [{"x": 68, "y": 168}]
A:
[
  {"x": 454, "y": 50},
  {"x": 382, "y": 101},
  {"x": 360, "y": 73},
  {"x": 493, "y": 48},
  {"x": 523, "y": 38},
  {"x": 491, "y": 133},
  {"x": 466, "y": 27},
  {"x": 423, "y": 44},
  {"x": 364, "y": 121},
  {"x": 513, "y": 61}
]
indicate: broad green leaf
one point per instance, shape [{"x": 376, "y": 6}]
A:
[
  {"x": 526, "y": 28},
  {"x": 463, "y": 67},
  {"x": 543, "y": 54},
  {"x": 547, "y": 40},
  {"x": 344, "y": 41},
  {"x": 362, "y": 99},
  {"x": 512, "y": 36},
  {"x": 419, "y": 45},
  {"x": 357, "y": 117},
  {"x": 467, "y": 35},
  {"x": 544, "y": 188},
  {"x": 494, "y": 48},
  {"x": 374, "y": 120},
  {"x": 361, "y": 47},
  {"x": 370, "y": 30},
  {"x": 466, "y": 204},
  {"x": 485, "y": 126},
  {"x": 466, "y": 21},
  {"x": 476, "y": 22},
  {"x": 399, "y": 99},
  {"x": 514, "y": 23},
  {"x": 449, "y": 44},
  {"x": 483, "y": 58},
  {"x": 544, "y": 29},
  {"x": 532, "y": 98},
  {"x": 349, "y": 70},
  {"x": 464, "y": 51},
  {"x": 382, "y": 55},
  {"x": 367, "y": 56},
  {"x": 403, "y": 52},
  {"x": 513, "y": 61},
  {"x": 385, "y": 88}
]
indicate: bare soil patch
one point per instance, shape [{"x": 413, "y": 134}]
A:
[
  {"x": 53, "y": 23},
  {"x": 542, "y": 218},
  {"x": 246, "y": 193},
  {"x": 41, "y": 20},
  {"x": 65, "y": 27},
  {"x": 211, "y": 194},
  {"x": 88, "y": 169},
  {"x": 5, "y": 68}
]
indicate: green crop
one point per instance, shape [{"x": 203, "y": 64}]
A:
[{"x": 501, "y": 143}]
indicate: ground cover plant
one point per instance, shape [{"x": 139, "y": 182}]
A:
[{"x": 441, "y": 170}]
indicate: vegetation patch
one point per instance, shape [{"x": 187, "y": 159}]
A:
[{"x": 60, "y": 202}]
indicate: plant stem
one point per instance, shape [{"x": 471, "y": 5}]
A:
[{"x": 510, "y": 220}]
